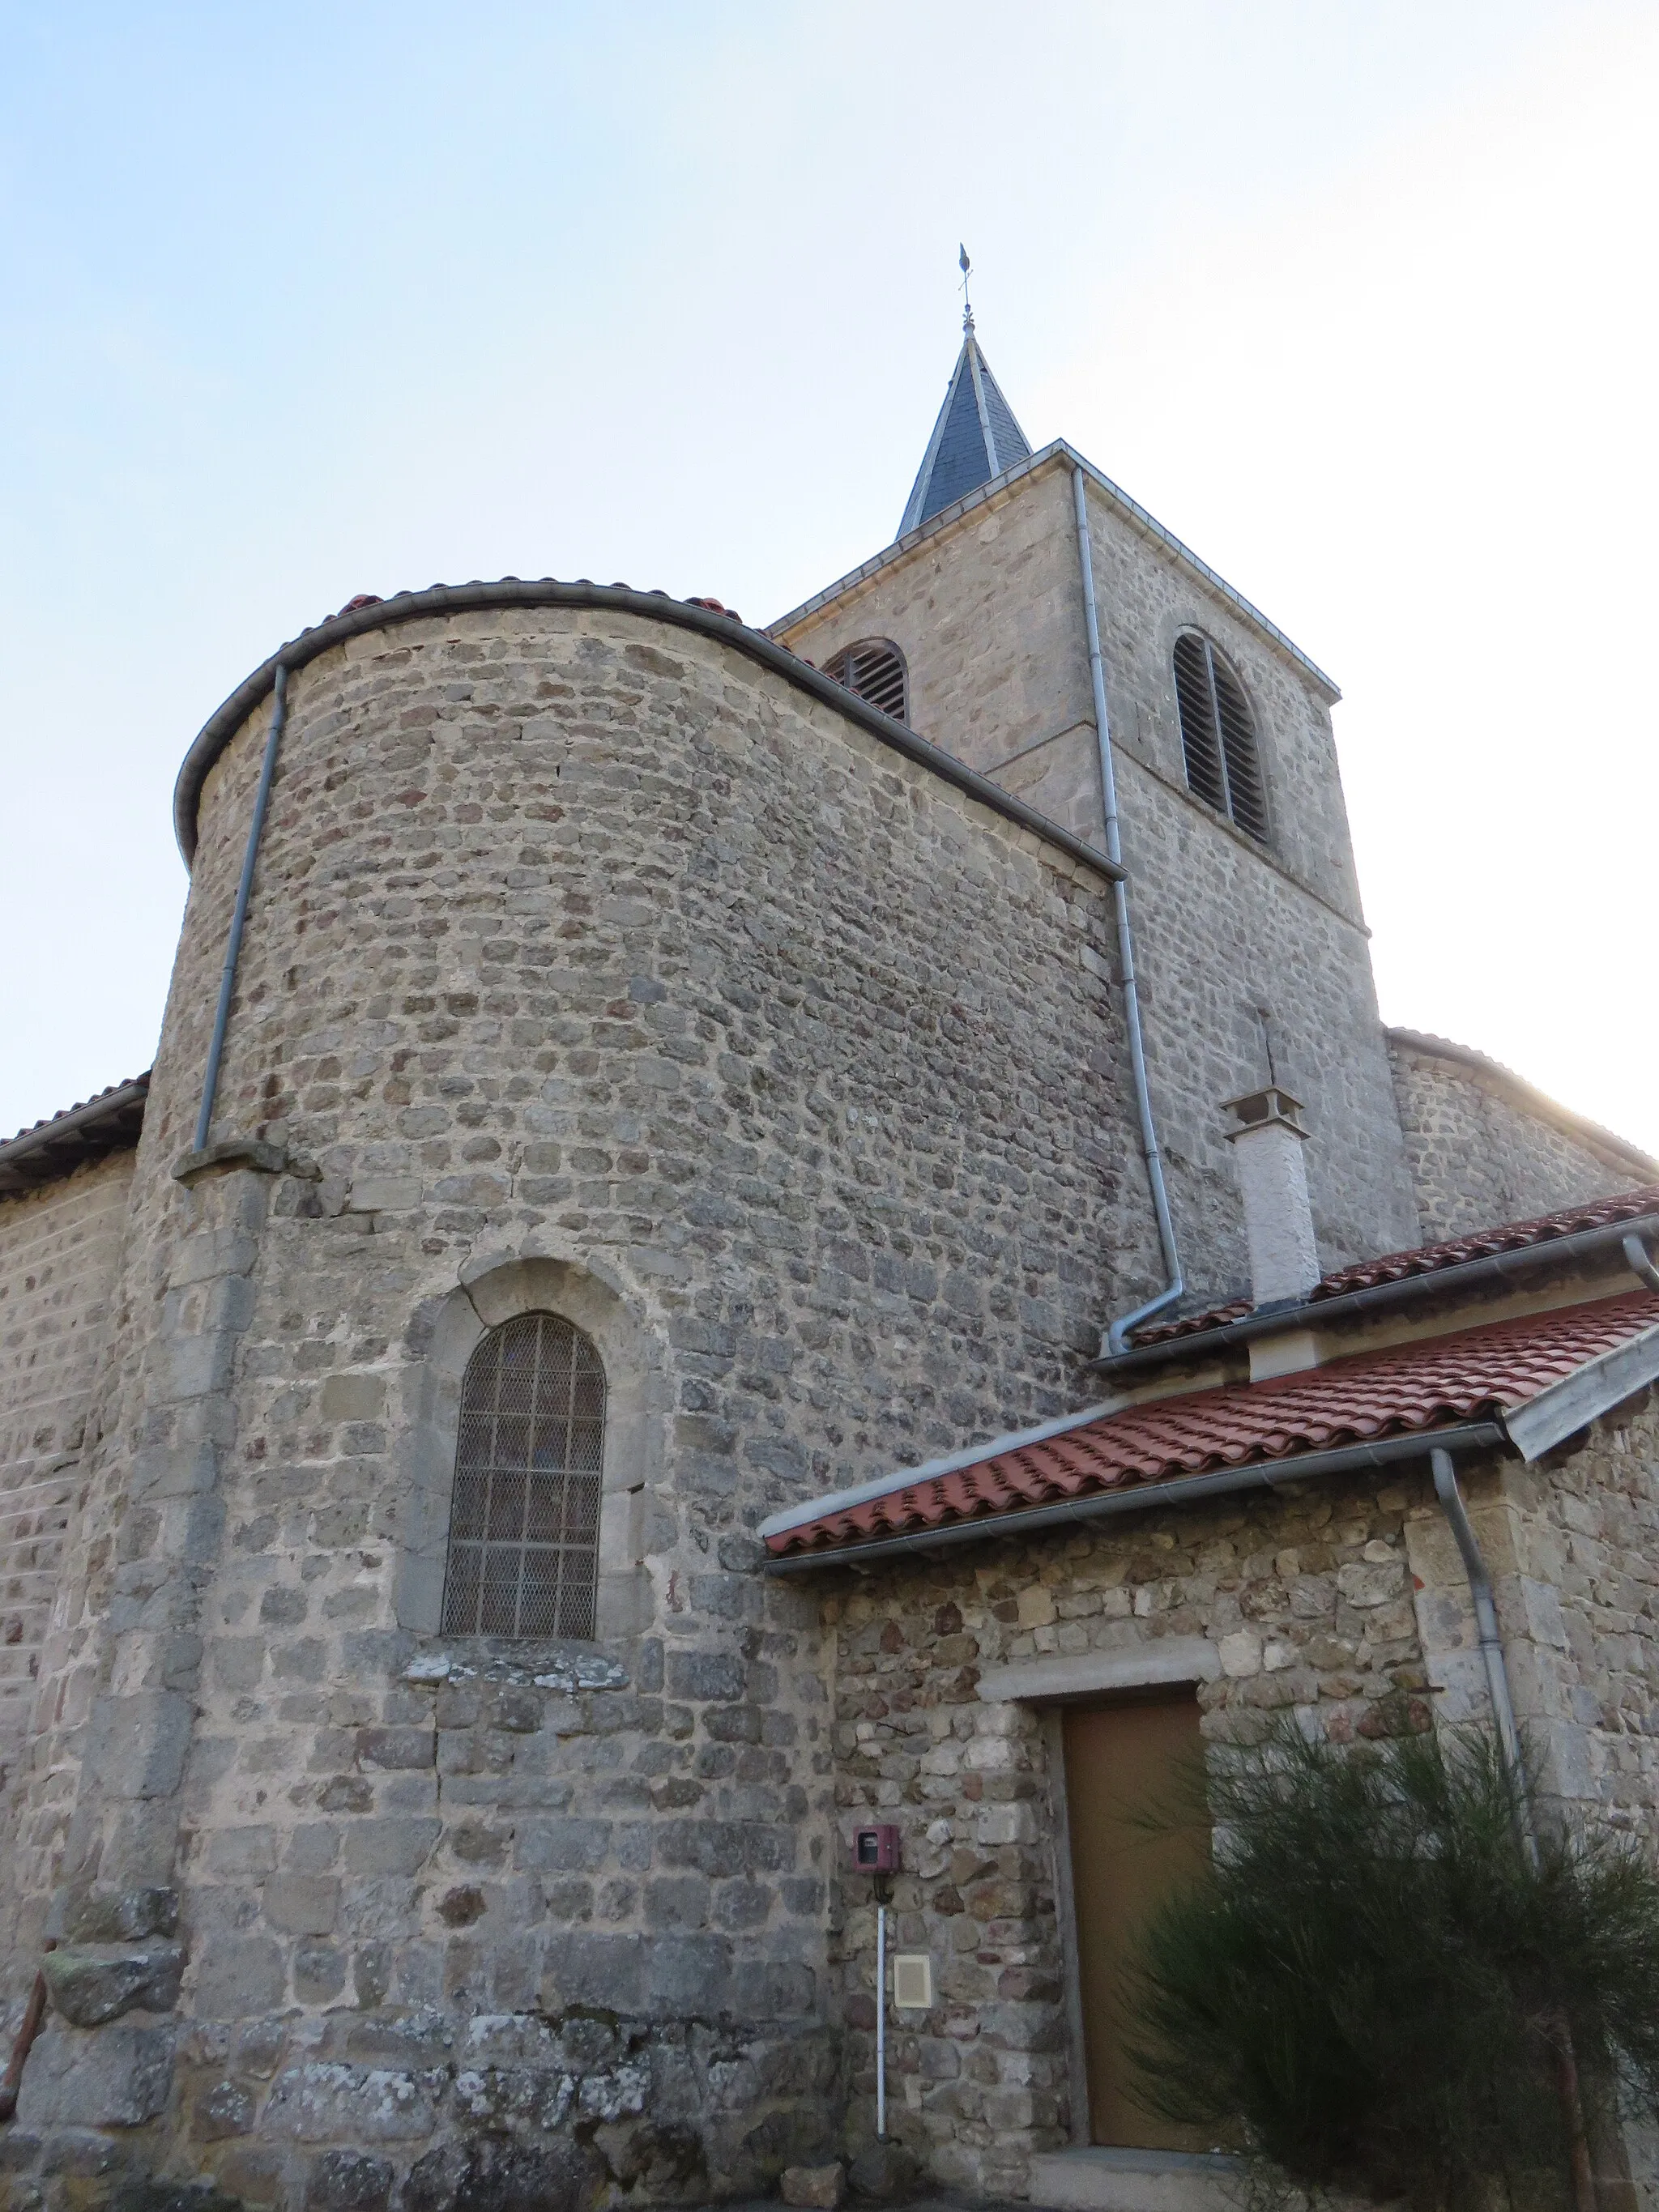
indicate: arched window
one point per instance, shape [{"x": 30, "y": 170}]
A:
[
  {"x": 874, "y": 668},
  {"x": 524, "y": 1525},
  {"x": 1217, "y": 736}
]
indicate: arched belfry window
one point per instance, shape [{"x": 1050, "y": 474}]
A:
[
  {"x": 1217, "y": 735},
  {"x": 524, "y": 1524},
  {"x": 874, "y": 668}
]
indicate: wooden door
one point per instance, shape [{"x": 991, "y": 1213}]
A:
[{"x": 1123, "y": 1763}]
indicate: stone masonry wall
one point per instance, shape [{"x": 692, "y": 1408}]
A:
[
  {"x": 1479, "y": 1157},
  {"x": 580, "y": 937},
  {"x": 1309, "y": 1606},
  {"x": 59, "y": 1248},
  {"x": 987, "y": 610}
]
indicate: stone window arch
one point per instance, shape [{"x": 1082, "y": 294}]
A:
[
  {"x": 875, "y": 669},
  {"x": 1217, "y": 735},
  {"x": 523, "y": 1555},
  {"x": 507, "y": 1339}
]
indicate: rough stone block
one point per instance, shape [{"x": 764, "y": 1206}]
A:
[
  {"x": 125, "y": 1916},
  {"x": 302, "y": 1904},
  {"x": 499, "y": 2174},
  {"x": 139, "y": 1742},
  {"x": 562, "y": 1846},
  {"x": 384, "y": 1194},
  {"x": 353, "y": 1398},
  {"x": 705, "y": 1675},
  {"x": 390, "y": 1846},
  {"x": 90, "y": 1984},
  {"x": 348, "y": 2181},
  {"x": 243, "y": 1852},
  {"x": 321, "y": 2100},
  {"x": 104, "y": 2077},
  {"x": 398, "y": 1746},
  {"x": 237, "y": 1976},
  {"x": 223, "y": 2109},
  {"x": 821, "y": 2186}
]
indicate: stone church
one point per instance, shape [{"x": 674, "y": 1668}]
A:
[{"x": 739, "y": 1236}]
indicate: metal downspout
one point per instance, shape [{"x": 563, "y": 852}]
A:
[
  {"x": 1491, "y": 1643},
  {"x": 1637, "y": 1260},
  {"x": 1117, "y": 1333},
  {"x": 1568, "y": 2085},
  {"x": 238, "y": 918}
]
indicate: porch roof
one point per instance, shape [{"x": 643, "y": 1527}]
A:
[{"x": 1488, "y": 1372}]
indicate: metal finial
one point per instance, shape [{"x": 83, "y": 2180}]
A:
[{"x": 965, "y": 265}]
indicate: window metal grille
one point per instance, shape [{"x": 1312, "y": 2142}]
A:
[
  {"x": 874, "y": 668},
  {"x": 1217, "y": 736},
  {"x": 523, "y": 1525}
]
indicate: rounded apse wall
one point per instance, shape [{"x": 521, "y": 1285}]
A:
[
  {"x": 572, "y": 919},
  {"x": 591, "y": 966}
]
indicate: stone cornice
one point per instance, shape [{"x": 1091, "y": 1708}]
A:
[{"x": 655, "y": 607}]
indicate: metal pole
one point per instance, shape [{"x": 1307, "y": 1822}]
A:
[
  {"x": 881, "y": 2023},
  {"x": 238, "y": 918}
]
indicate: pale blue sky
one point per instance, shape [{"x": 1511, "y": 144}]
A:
[{"x": 1356, "y": 296}]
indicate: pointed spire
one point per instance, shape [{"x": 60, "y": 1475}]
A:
[{"x": 975, "y": 437}]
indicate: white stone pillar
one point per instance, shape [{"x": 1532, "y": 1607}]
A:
[{"x": 1272, "y": 1181}]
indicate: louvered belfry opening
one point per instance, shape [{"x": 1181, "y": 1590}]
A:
[
  {"x": 524, "y": 1528},
  {"x": 874, "y": 668},
  {"x": 1217, "y": 736}
]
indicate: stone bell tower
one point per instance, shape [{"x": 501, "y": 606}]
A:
[{"x": 1241, "y": 879}]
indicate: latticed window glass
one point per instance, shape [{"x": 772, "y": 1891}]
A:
[
  {"x": 874, "y": 668},
  {"x": 523, "y": 1525},
  {"x": 1217, "y": 736}
]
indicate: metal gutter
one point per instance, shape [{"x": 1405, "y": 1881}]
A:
[
  {"x": 619, "y": 599},
  {"x": 1133, "y": 513},
  {"x": 1380, "y": 1297},
  {"x": 1270, "y": 1474}
]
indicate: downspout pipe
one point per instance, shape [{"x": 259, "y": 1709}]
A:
[
  {"x": 1637, "y": 1260},
  {"x": 1569, "y": 2087},
  {"x": 238, "y": 918},
  {"x": 1491, "y": 1643},
  {"x": 11, "y": 2082},
  {"x": 1118, "y": 1333}
]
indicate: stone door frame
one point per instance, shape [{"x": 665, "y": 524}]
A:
[{"x": 1049, "y": 1685}]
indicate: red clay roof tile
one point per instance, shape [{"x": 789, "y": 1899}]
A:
[
  {"x": 1429, "y": 1258},
  {"x": 1405, "y": 1389}
]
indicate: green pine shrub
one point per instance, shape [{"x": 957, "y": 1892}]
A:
[{"x": 1376, "y": 1985}]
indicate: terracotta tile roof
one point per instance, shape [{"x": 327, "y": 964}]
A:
[
  {"x": 1408, "y": 1388},
  {"x": 1429, "y": 1258},
  {"x": 98, "y": 1124}
]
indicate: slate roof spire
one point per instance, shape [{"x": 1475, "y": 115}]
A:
[{"x": 975, "y": 437}]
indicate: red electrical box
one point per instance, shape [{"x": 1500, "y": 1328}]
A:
[{"x": 876, "y": 1850}]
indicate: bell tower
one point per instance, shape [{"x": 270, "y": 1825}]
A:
[{"x": 1233, "y": 826}]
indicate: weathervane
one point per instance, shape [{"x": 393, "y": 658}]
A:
[{"x": 965, "y": 265}]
